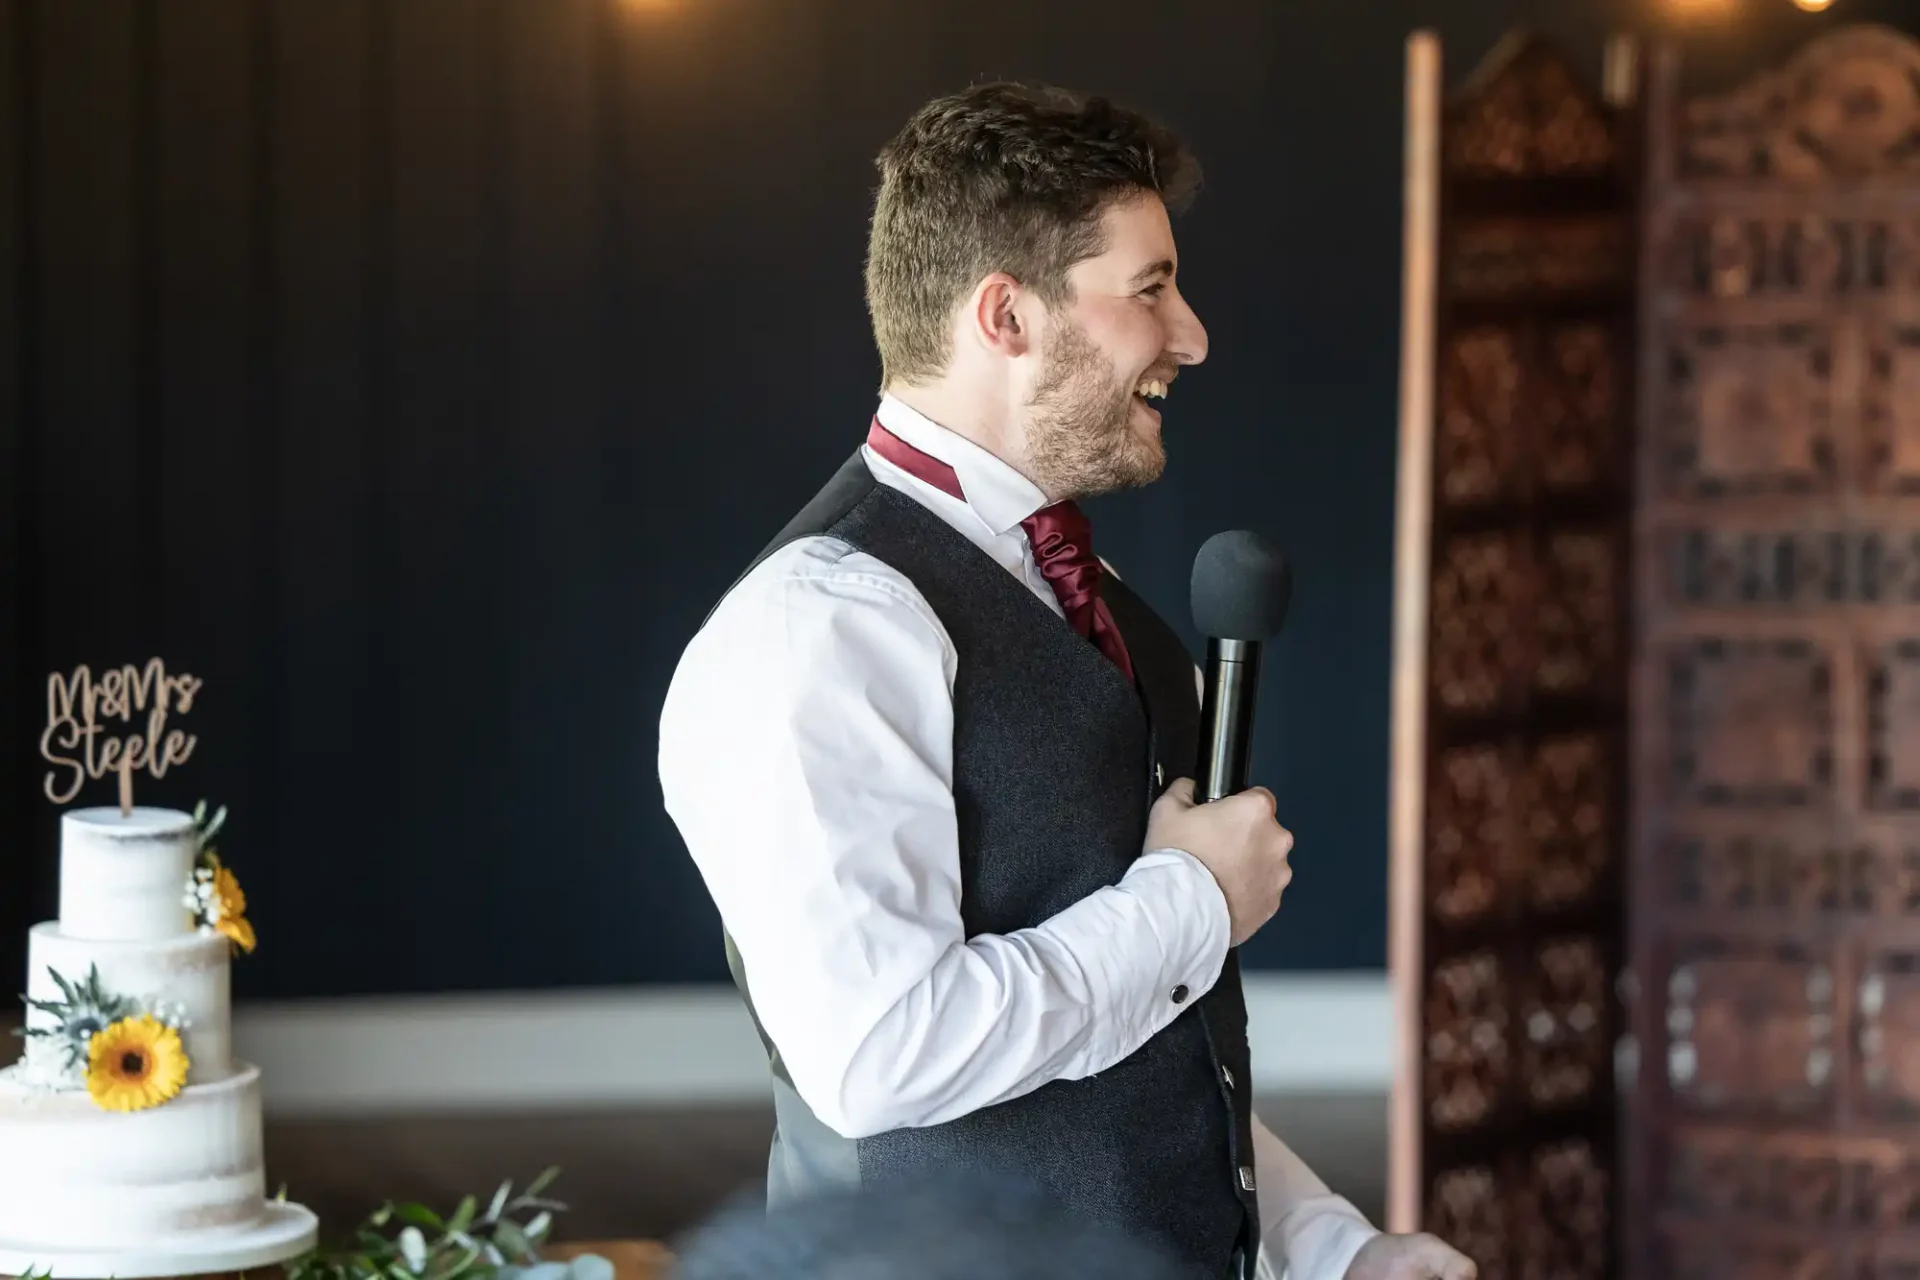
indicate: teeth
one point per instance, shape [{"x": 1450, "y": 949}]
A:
[{"x": 1153, "y": 388}]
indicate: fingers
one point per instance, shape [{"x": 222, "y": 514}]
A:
[
  {"x": 1183, "y": 790},
  {"x": 1442, "y": 1262},
  {"x": 1265, "y": 799}
]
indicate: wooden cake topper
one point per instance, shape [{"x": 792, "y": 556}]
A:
[{"x": 74, "y": 741}]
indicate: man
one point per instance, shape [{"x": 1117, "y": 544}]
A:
[{"x": 978, "y": 918}]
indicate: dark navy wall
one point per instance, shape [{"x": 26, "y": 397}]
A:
[{"x": 416, "y": 374}]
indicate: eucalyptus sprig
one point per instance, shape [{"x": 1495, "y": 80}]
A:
[
  {"x": 207, "y": 829},
  {"x": 502, "y": 1243}
]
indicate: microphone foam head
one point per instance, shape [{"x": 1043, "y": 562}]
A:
[{"x": 1242, "y": 585}]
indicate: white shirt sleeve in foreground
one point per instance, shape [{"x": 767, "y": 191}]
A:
[{"x": 1306, "y": 1231}]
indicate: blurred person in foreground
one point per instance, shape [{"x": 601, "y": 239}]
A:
[
  {"x": 933, "y": 759},
  {"x": 961, "y": 1227}
]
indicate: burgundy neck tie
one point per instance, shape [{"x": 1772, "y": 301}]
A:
[{"x": 1062, "y": 540}]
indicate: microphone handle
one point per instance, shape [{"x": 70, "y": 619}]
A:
[{"x": 1226, "y": 717}]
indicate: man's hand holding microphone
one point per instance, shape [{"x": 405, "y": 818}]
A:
[{"x": 1238, "y": 839}]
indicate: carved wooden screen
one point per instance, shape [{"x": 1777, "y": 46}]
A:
[
  {"x": 1776, "y": 914},
  {"x": 1509, "y": 826}
]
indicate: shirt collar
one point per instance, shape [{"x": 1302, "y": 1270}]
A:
[{"x": 998, "y": 494}]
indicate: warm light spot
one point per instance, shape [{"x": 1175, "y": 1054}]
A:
[
  {"x": 1813, "y": 6},
  {"x": 1705, "y": 12}
]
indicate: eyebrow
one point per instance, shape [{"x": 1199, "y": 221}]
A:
[{"x": 1164, "y": 267}]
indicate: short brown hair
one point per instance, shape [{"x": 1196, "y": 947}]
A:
[{"x": 1000, "y": 177}]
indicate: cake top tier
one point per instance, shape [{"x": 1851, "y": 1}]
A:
[
  {"x": 124, "y": 877},
  {"x": 142, "y": 823}
]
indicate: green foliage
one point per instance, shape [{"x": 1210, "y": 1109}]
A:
[
  {"x": 208, "y": 828},
  {"x": 412, "y": 1242},
  {"x": 83, "y": 1009}
]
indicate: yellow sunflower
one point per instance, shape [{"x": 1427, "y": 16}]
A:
[
  {"x": 230, "y": 910},
  {"x": 134, "y": 1064}
]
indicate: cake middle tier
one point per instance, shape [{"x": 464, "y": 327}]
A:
[{"x": 190, "y": 973}]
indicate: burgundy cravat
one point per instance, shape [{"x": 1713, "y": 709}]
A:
[{"x": 1062, "y": 540}]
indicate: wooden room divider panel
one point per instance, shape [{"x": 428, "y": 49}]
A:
[
  {"x": 1776, "y": 709},
  {"x": 1508, "y": 821}
]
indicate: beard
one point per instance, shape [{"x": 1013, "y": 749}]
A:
[{"x": 1080, "y": 438}]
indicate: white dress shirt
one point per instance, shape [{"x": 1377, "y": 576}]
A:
[{"x": 829, "y": 843}]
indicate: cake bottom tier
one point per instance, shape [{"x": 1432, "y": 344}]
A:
[
  {"x": 73, "y": 1175},
  {"x": 282, "y": 1233}
]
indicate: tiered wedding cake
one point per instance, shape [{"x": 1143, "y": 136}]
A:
[{"x": 130, "y": 1138}]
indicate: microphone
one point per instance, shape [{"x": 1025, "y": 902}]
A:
[{"x": 1242, "y": 585}]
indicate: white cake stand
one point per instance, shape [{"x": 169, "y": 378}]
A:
[{"x": 283, "y": 1232}]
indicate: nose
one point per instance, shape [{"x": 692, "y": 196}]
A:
[{"x": 1186, "y": 336}]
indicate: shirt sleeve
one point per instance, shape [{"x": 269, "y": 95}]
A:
[
  {"x": 1306, "y": 1231},
  {"x": 806, "y": 757}
]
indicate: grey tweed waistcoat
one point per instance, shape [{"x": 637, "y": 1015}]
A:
[{"x": 1057, "y": 759}]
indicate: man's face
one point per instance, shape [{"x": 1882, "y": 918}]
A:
[{"x": 1106, "y": 355}]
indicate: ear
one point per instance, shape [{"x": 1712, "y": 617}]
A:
[{"x": 996, "y": 315}]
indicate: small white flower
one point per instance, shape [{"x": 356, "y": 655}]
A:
[{"x": 170, "y": 1013}]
